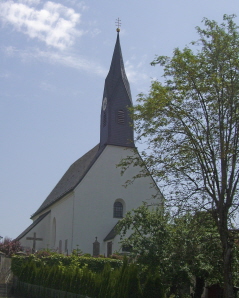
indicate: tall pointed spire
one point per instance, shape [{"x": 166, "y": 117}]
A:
[{"x": 116, "y": 126}]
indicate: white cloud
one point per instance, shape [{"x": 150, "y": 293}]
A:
[
  {"x": 9, "y": 51},
  {"x": 80, "y": 4},
  {"x": 55, "y": 57},
  {"x": 72, "y": 61},
  {"x": 30, "y": 2},
  {"x": 95, "y": 32},
  {"x": 134, "y": 74},
  {"x": 54, "y": 24}
]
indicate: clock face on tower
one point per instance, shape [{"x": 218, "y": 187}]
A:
[{"x": 104, "y": 103}]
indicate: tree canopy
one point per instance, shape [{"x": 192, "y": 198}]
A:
[
  {"x": 179, "y": 249},
  {"x": 190, "y": 124}
]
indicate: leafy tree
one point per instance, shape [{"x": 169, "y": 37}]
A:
[
  {"x": 191, "y": 126},
  {"x": 196, "y": 245},
  {"x": 177, "y": 250}
]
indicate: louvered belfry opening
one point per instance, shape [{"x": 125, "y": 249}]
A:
[
  {"x": 104, "y": 119},
  {"x": 121, "y": 117}
]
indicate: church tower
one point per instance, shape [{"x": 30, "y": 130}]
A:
[{"x": 116, "y": 127}]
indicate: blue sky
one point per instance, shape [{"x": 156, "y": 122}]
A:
[{"x": 54, "y": 59}]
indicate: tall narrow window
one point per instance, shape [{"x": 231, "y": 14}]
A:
[
  {"x": 118, "y": 210},
  {"x": 121, "y": 117},
  {"x": 53, "y": 232}
]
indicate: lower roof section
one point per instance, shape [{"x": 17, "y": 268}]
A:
[
  {"x": 71, "y": 178},
  {"x": 40, "y": 218}
]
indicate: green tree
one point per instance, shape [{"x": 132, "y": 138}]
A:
[
  {"x": 149, "y": 241},
  {"x": 177, "y": 250},
  {"x": 191, "y": 126},
  {"x": 196, "y": 245}
]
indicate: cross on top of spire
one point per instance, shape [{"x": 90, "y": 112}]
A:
[{"x": 118, "y": 24}]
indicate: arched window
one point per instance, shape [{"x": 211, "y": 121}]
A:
[
  {"x": 53, "y": 232},
  {"x": 118, "y": 209}
]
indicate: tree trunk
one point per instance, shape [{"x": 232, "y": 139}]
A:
[
  {"x": 199, "y": 287},
  {"x": 227, "y": 249},
  {"x": 227, "y": 271}
]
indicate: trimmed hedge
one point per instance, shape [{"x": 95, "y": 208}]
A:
[
  {"x": 93, "y": 264},
  {"x": 118, "y": 279}
]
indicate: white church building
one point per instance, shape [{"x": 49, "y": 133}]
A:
[{"x": 85, "y": 205}]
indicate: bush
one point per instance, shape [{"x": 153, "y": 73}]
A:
[
  {"x": 51, "y": 259},
  {"x": 9, "y": 246},
  {"x": 85, "y": 276}
]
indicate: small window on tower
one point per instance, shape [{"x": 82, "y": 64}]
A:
[
  {"x": 121, "y": 117},
  {"x": 118, "y": 209}
]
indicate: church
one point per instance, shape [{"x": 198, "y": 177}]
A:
[{"x": 82, "y": 210}]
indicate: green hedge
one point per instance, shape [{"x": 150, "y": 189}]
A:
[
  {"x": 118, "y": 279},
  {"x": 94, "y": 264}
]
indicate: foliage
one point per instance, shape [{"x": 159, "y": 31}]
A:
[
  {"x": 52, "y": 259},
  {"x": 235, "y": 262},
  {"x": 191, "y": 127},
  {"x": 44, "y": 253},
  {"x": 9, "y": 246},
  {"x": 176, "y": 249},
  {"x": 120, "y": 282}
]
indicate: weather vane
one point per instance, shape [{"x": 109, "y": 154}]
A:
[{"x": 118, "y": 24}]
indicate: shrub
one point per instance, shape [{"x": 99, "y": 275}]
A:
[
  {"x": 74, "y": 274},
  {"x": 9, "y": 246}
]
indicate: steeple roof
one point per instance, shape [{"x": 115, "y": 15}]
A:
[
  {"x": 117, "y": 71},
  {"x": 116, "y": 124}
]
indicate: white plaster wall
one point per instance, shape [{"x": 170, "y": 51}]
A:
[
  {"x": 62, "y": 211},
  {"x": 96, "y": 194},
  {"x": 41, "y": 230}
]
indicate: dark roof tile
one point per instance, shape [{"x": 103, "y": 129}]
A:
[{"x": 71, "y": 178}]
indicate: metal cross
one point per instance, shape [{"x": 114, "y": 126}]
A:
[
  {"x": 118, "y": 24},
  {"x": 34, "y": 238}
]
